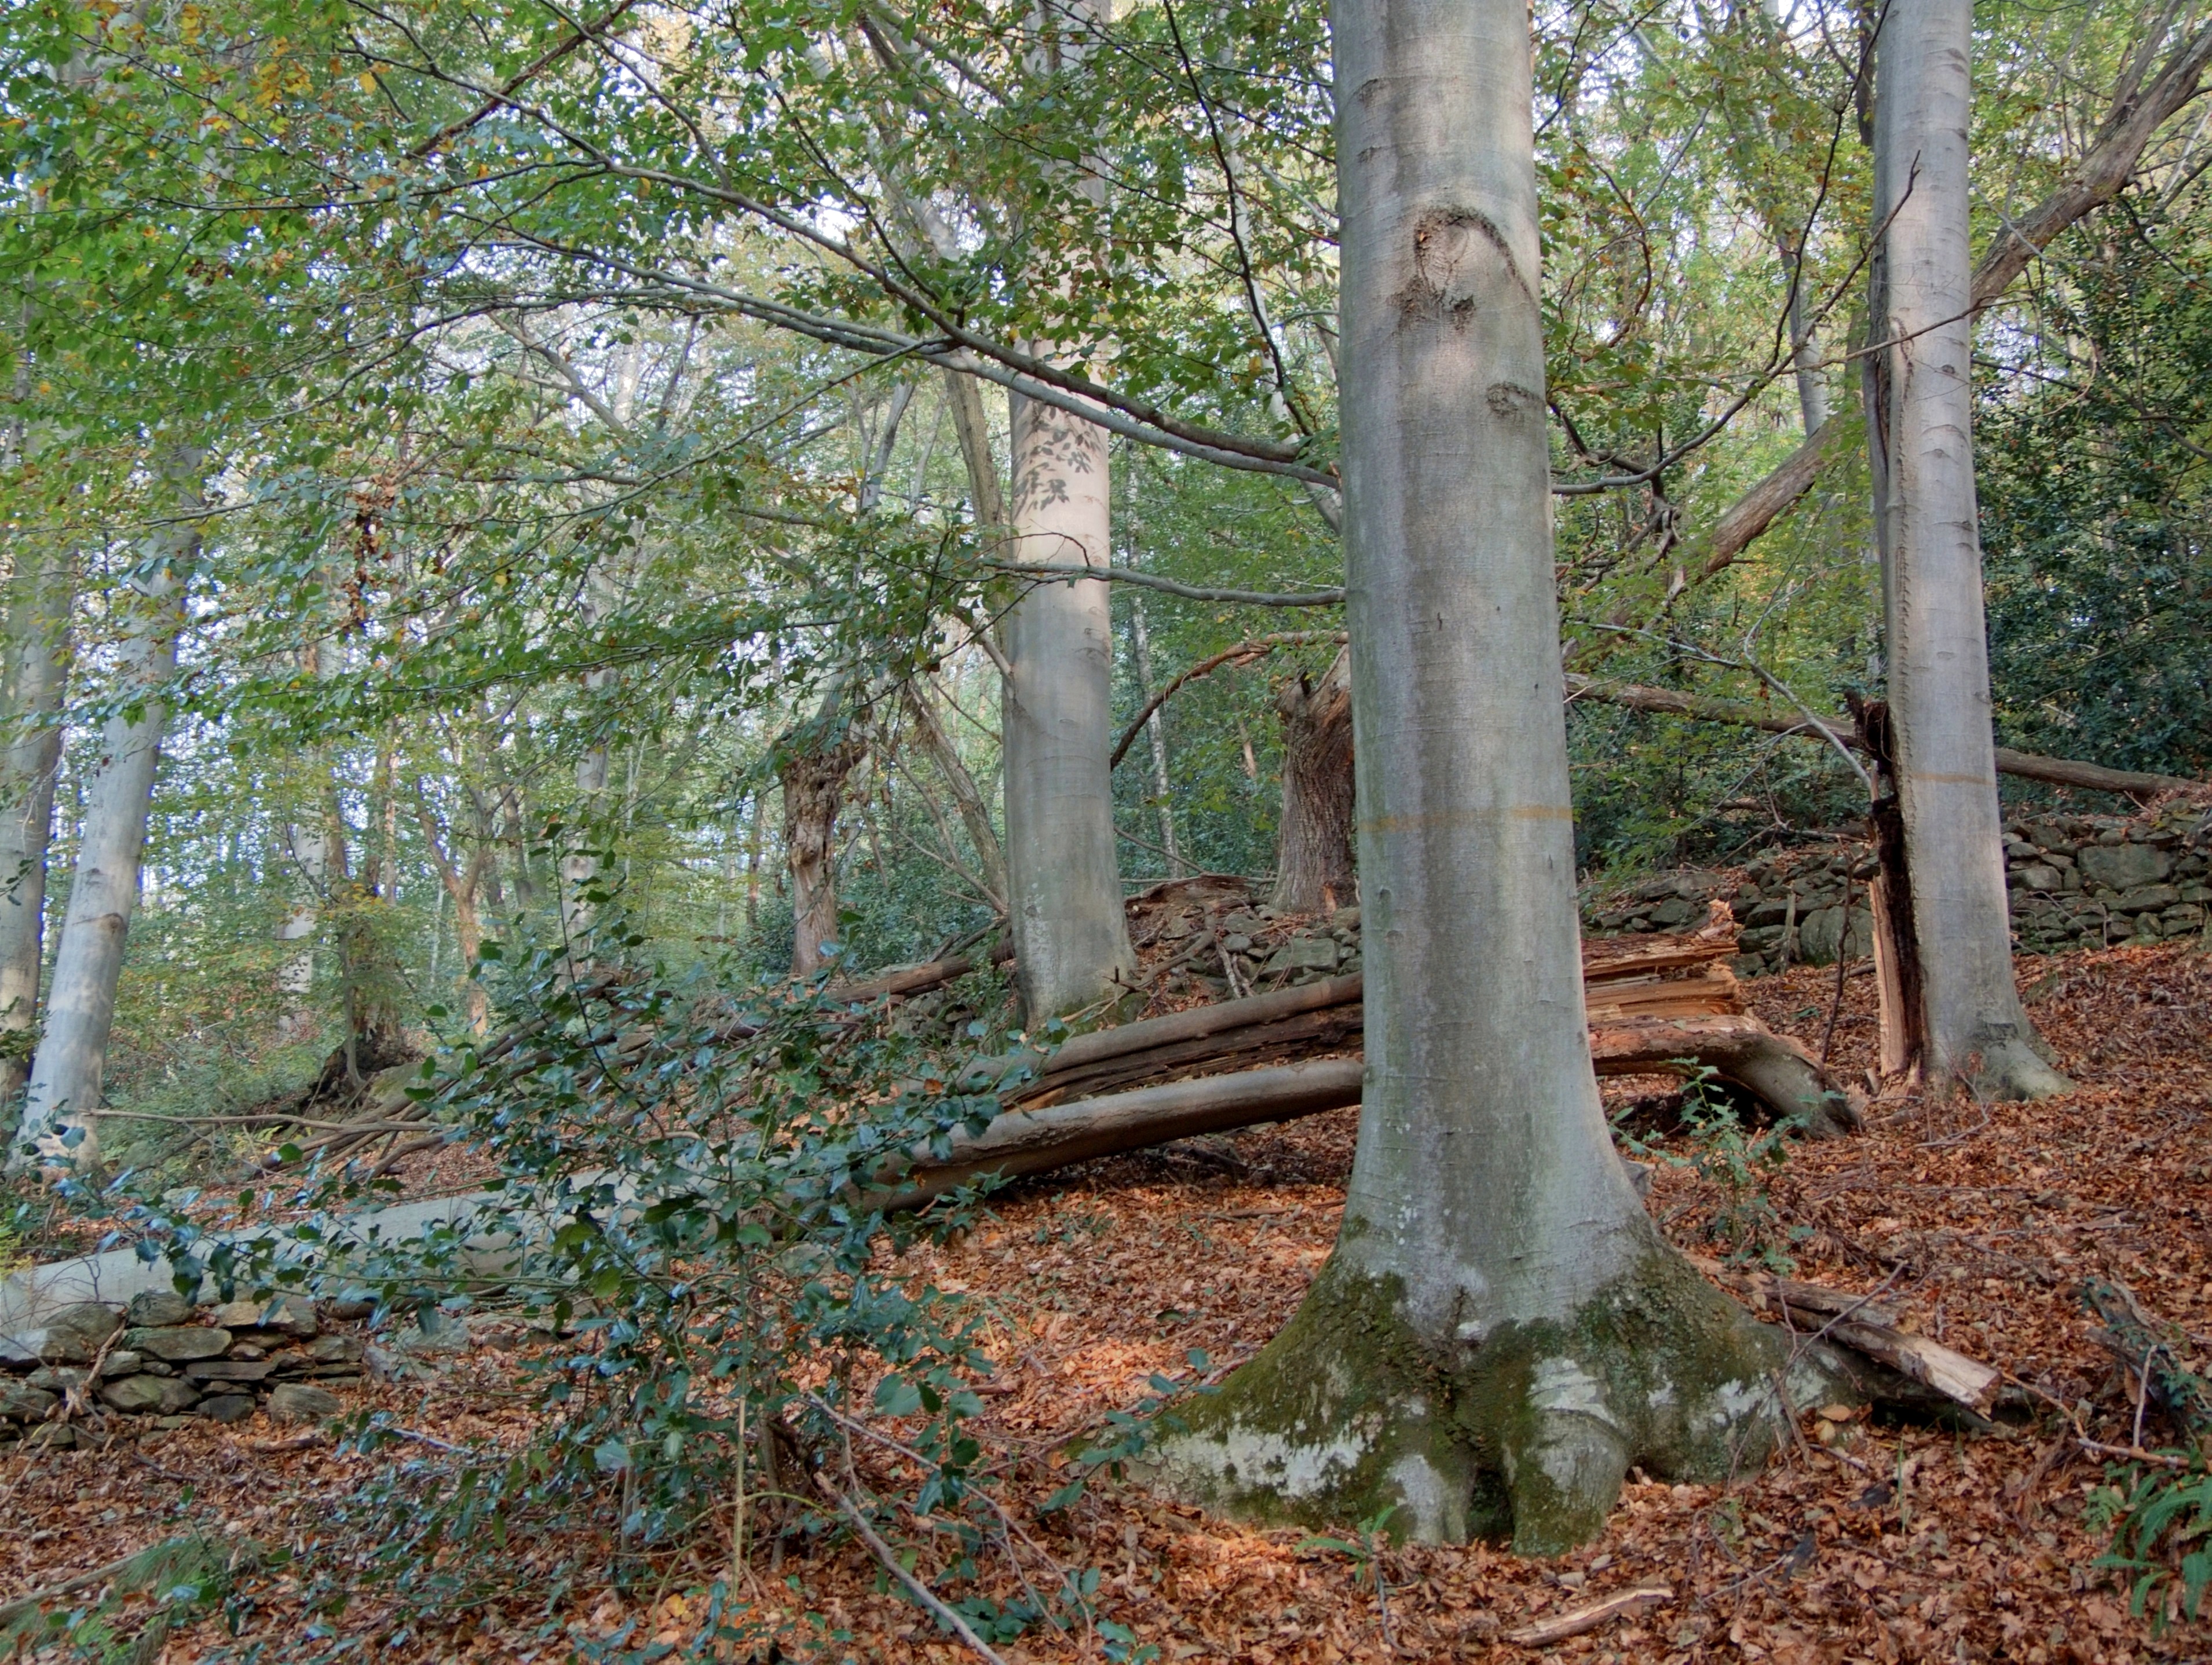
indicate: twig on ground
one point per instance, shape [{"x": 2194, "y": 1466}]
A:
[
  {"x": 920, "y": 1592},
  {"x": 1576, "y": 1620}
]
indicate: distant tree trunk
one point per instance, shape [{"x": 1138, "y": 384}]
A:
[
  {"x": 1500, "y": 1331},
  {"x": 295, "y": 978},
  {"x": 812, "y": 767},
  {"x": 1314, "y": 868},
  {"x": 1943, "y": 745},
  {"x": 39, "y": 600},
  {"x": 1156, "y": 735},
  {"x": 461, "y": 884},
  {"x": 61, "y": 1108}
]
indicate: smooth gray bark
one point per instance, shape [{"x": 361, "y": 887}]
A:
[
  {"x": 1975, "y": 1028},
  {"x": 67, "y": 1073},
  {"x": 1070, "y": 937},
  {"x": 1063, "y": 873},
  {"x": 38, "y": 604},
  {"x": 1500, "y": 1330}
]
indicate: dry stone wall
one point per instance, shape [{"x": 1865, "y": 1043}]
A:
[
  {"x": 2075, "y": 881},
  {"x": 160, "y": 1358}
]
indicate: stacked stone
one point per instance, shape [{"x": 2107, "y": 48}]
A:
[
  {"x": 1270, "y": 948},
  {"x": 2081, "y": 882},
  {"x": 2075, "y": 881},
  {"x": 162, "y": 1358}
]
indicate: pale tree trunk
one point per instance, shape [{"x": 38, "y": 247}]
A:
[
  {"x": 1070, "y": 934},
  {"x": 1500, "y": 1331},
  {"x": 1944, "y": 747},
  {"x": 39, "y": 604},
  {"x": 309, "y": 849},
  {"x": 60, "y": 1110},
  {"x": 1313, "y": 866}
]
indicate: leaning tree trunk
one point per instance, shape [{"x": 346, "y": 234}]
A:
[
  {"x": 1313, "y": 847},
  {"x": 37, "y": 646},
  {"x": 1501, "y": 1331},
  {"x": 59, "y": 1111},
  {"x": 1944, "y": 749}
]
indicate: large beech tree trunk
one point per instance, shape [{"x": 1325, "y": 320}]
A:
[
  {"x": 1063, "y": 870},
  {"x": 1500, "y": 1331},
  {"x": 1943, "y": 745},
  {"x": 38, "y": 604},
  {"x": 1313, "y": 846},
  {"x": 60, "y": 1110},
  {"x": 1071, "y": 939}
]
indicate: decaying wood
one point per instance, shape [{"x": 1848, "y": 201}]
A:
[
  {"x": 1627, "y": 1604},
  {"x": 1661, "y": 1005},
  {"x": 1868, "y": 1327}
]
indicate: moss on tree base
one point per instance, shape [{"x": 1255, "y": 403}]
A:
[{"x": 1518, "y": 1432}]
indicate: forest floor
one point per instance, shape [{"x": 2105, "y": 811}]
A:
[{"x": 1895, "y": 1543}]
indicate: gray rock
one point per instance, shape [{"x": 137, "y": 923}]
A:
[
  {"x": 157, "y": 1308},
  {"x": 21, "y": 1402},
  {"x": 122, "y": 1362},
  {"x": 334, "y": 1349},
  {"x": 237, "y": 1315},
  {"x": 227, "y": 1369},
  {"x": 186, "y": 1341},
  {"x": 297, "y": 1401},
  {"x": 2149, "y": 900},
  {"x": 1675, "y": 910},
  {"x": 2125, "y": 866},
  {"x": 291, "y": 1315},
  {"x": 55, "y": 1379},
  {"x": 1818, "y": 936},
  {"x": 2035, "y": 876},
  {"x": 1346, "y": 919},
  {"x": 54, "y": 1436},
  {"x": 1303, "y": 954},
  {"x": 162, "y": 1395},
  {"x": 227, "y": 1407},
  {"x": 74, "y": 1333}
]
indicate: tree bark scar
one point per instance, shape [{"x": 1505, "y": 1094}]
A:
[{"x": 1451, "y": 267}]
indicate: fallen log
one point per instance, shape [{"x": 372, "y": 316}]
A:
[
  {"x": 1779, "y": 1073},
  {"x": 1647, "y": 1017},
  {"x": 1914, "y": 1372},
  {"x": 1034, "y": 1141}
]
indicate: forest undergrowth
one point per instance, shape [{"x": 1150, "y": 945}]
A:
[{"x": 1086, "y": 1297}]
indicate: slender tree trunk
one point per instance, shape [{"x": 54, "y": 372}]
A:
[
  {"x": 1944, "y": 748},
  {"x": 1500, "y": 1331},
  {"x": 39, "y": 601},
  {"x": 309, "y": 849},
  {"x": 1156, "y": 736},
  {"x": 61, "y": 1108},
  {"x": 967, "y": 796},
  {"x": 1314, "y": 868}
]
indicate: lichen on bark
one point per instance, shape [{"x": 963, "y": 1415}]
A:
[{"x": 1520, "y": 1433}]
